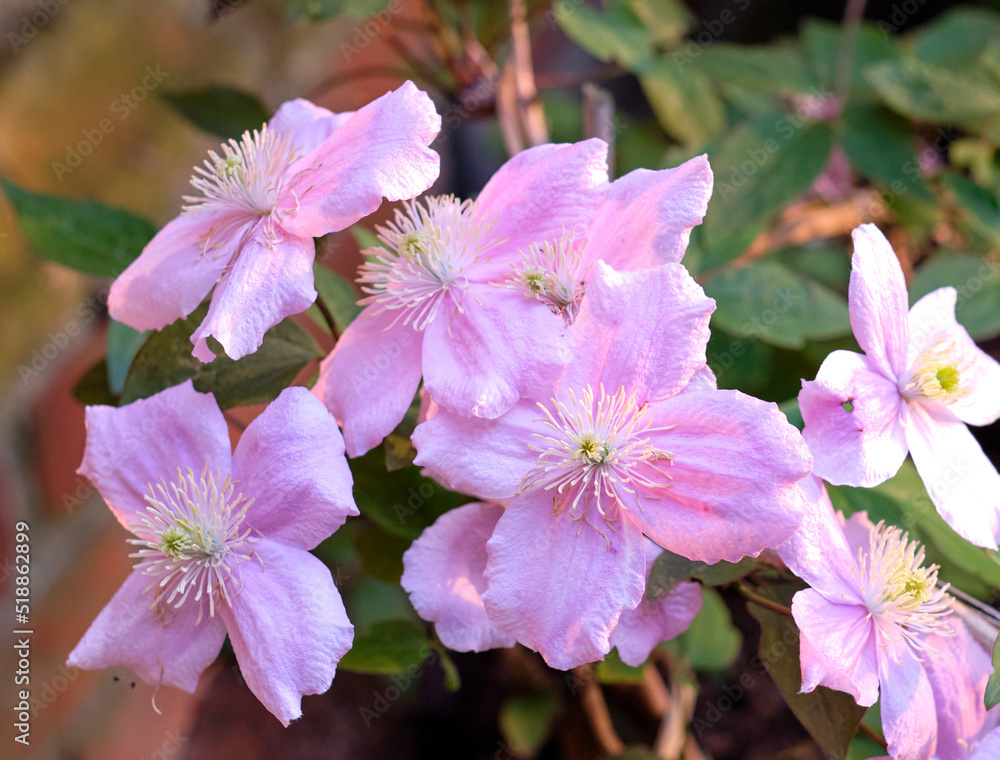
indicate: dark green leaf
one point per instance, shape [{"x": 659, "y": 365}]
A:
[
  {"x": 92, "y": 389},
  {"x": 723, "y": 572},
  {"x": 668, "y": 570},
  {"x": 381, "y": 553},
  {"x": 978, "y": 205},
  {"x": 321, "y": 10},
  {"x": 683, "y": 101},
  {"x": 390, "y": 646},
  {"x": 712, "y": 642},
  {"x": 221, "y": 111},
  {"x": 338, "y": 295},
  {"x": 83, "y": 235},
  {"x": 831, "y": 717},
  {"x": 977, "y": 281},
  {"x": 830, "y": 265},
  {"x": 767, "y": 69},
  {"x": 616, "y": 34},
  {"x": 165, "y": 360},
  {"x": 936, "y": 94},
  {"x": 958, "y": 36},
  {"x": 992, "y": 696},
  {"x": 526, "y": 722},
  {"x": 791, "y": 410},
  {"x": 767, "y": 301},
  {"x": 123, "y": 342},
  {"x": 724, "y": 251},
  {"x": 822, "y": 41}
]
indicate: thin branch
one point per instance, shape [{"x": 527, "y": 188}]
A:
[
  {"x": 853, "y": 14},
  {"x": 599, "y": 119},
  {"x": 327, "y": 317},
  {"x": 654, "y": 691},
  {"x": 762, "y": 601},
  {"x": 863, "y": 729},
  {"x": 672, "y": 736},
  {"x": 529, "y": 108},
  {"x": 596, "y": 710}
]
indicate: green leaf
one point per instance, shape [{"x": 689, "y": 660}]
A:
[
  {"x": 381, "y": 553},
  {"x": 338, "y": 295},
  {"x": 831, "y": 717},
  {"x": 712, "y": 642},
  {"x": 123, "y": 343},
  {"x": 389, "y": 646},
  {"x": 92, "y": 389},
  {"x": 977, "y": 205},
  {"x": 612, "y": 670},
  {"x": 957, "y": 37},
  {"x": 667, "y": 20},
  {"x": 402, "y": 501},
  {"x": 977, "y": 281},
  {"x": 321, "y": 10},
  {"x": 723, "y": 573},
  {"x": 165, "y": 360},
  {"x": 616, "y": 34},
  {"x": 364, "y": 237},
  {"x": 526, "y": 722},
  {"x": 83, "y": 235},
  {"x": 684, "y": 102},
  {"x": 767, "y": 301},
  {"x": 767, "y": 69},
  {"x": 830, "y": 265},
  {"x": 668, "y": 570},
  {"x": 822, "y": 45},
  {"x": 879, "y": 145},
  {"x": 992, "y": 695},
  {"x": 761, "y": 166},
  {"x": 221, "y": 111},
  {"x": 936, "y": 94},
  {"x": 791, "y": 410}
]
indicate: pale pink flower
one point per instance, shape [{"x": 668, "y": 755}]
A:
[
  {"x": 474, "y": 296},
  {"x": 221, "y": 541},
  {"x": 633, "y": 439},
  {"x": 876, "y": 624},
  {"x": 443, "y": 574},
  {"x": 248, "y": 231},
  {"x": 920, "y": 380}
]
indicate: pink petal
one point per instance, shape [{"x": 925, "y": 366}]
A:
[
  {"x": 290, "y": 461},
  {"x": 558, "y": 584},
  {"x": 380, "y": 151},
  {"x": 960, "y": 479},
  {"x": 541, "y": 193},
  {"x": 288, "y": 627},
  {"x": 306, "y": 124},
  {"x": 643, "y": 330},
  {"x": 646, "y": 217},
  {"x": 878, "y": 303},
  {"x": 263, "y": 286},
  {"x": 128, "y": 632},
  {"x": 174, "y": 273},
  {"x": 861, "y": 447},
  {"x": 932, "y": 318},
  {"x": 639, "y": 630},
  {"x": 485, "y": 458},
  {"x": 908, "y": 720},
  {"x": 499, "y": 348},
  {"x": 735, "y": 468},
  {"x": 857, "y": 531},
  {"x": 988, "y": 748},
  {"x": 841, "y": 646},
  {"x": 131, "y": 447},
  {"x": 443, "y": 574},
  {"x": 818, "y": 551},
  {"x": 370, "y": 378}
]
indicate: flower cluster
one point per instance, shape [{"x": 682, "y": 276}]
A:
[{"x": 561, "y": 349}]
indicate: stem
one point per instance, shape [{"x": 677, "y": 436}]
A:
[
  {"x": 762, "y": 601},
  {"x": 853, "y": 14},
  {"x": 529, "y": 108},
  {"x": 863, "y": 729},
  {"x": 596, "y": 710},
  {"x": 328, "y": 316}
]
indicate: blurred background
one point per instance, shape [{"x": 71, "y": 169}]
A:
[{"x": 895, "y": 120}]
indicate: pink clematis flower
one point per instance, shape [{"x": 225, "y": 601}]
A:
[
  {"x": 920, "y": 380},
  {"x": 875, "y": 623},
  {"x": 443, "y": 574},
  {"x": 474, "y": 296},
  {"x": 613, "y": 451},
  {"x": 222, "y": 542},
  {"x": 248, "y": 232}
]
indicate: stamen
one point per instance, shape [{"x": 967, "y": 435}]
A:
[
  {"x": 431, "y": 248},
  {"x": 598, "y": 449},
  {"x": 940, "y": 373},
  {"x": 195, "y": 541},
  {"x": 550, "y": 272}
]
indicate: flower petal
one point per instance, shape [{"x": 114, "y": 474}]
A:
[
  {"x": 174, "y": 272},
  {"x": 264, "y": 285},
  {"x": 499, "y": 348},
  {"x": 290, "y": 460},
  {"x": 933, "y": 318},
  {"x": 642, "y": 330},
  {"x": 960, "y": 479},
  {"x": 132, "y": 446},
  {"x": 288, "y": 627},
  {"x": 558, "y": 584},
  {"x": 369, "y": 379},
  {"x": 841, "y": 646},
  {"x": 861, "y": 447},
  {"x": 485, "y": 458},
  {"x": 443, "y": 574},
  {"x": 380, "y": 151},
  {"x": 128, "y": 632},
  {"x": 878, "y": 303},
  {"x": 734, "y": 472},
  {"x": 645, "y": 218},
  {"x": 306, "y": 123},
  {"x": 908, "y": 720}
]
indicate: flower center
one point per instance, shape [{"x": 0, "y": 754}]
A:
[
  {"x": 247, "y": 177},
  {"x": 429, "y": 250},
  {"x": 597, "y": 448},
  {"x": 901, "y": 594},
  {"x": 550, "y": 272},
  {"x": 194, "y": 541},
  {"x": 939, "y": 373}
]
